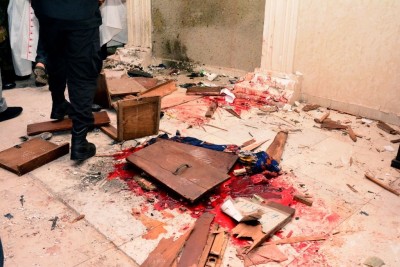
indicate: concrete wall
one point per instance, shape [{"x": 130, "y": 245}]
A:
[
  {"x": 349, "y": 53},
  {"x": 221, "y": 33}
]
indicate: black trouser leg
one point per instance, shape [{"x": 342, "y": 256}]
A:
[{"x": 41, "y": 53}]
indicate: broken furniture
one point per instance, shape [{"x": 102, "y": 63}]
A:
[
  {"x": 100, "y": 118},
  {"x": 188, "y": 170},
  {"x": 136, "y": 117},
  {"x": 30, "y": 155},
  {"x": 205, "y": 90}
]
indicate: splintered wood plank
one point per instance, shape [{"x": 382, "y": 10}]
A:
[
  {"x": 102, "y": 97},
  {"x": 110, "y": 130},
  {"x": 210, "y": 240},
  {"x": 204, "y": 90},
  {"x": 211, "y": 109},
  {"x": 100, "y": 119},
  {"x": 310, "y": 107},
  {"x": 166, "y": 252},
  {"x": 383, "y": 126},
  {"x": 352, "y": 134},
  {"x": 275, "y": 149},
  {"x": 124, "y": 86},
  {"x": 138, "y": 117},
  {"x": 161, "y": 90},
  {"x": 146, "y": 82},
  {"x": 196, "y": 242},
  {"x": 30, "y": 155},
  {"x": 332, "y": 125},
  {"x": 178, "y": 169}
]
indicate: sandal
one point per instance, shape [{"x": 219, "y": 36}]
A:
[{"x": 41, "y": 78}]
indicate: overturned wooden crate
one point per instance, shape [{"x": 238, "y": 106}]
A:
[{"x": 136, "y": 118}]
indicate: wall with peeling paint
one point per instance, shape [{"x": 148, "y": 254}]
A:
[
  {"x": 349, "y": 53},
  {"x": 222, "y": 33}
]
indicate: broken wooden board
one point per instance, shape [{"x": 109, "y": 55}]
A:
[
  {"x": 274, "y": 217},
  {"x": 100, "y": 119},
  {"x": 352, "y": 134},
  {"x": 102, "y": 97},
  {"x": 210, "y": 240},
  {"x": 211, "y": 109},
  {"x": 138, "y": 117},
  {"x": 188, "y": 170},
  {"x": 110, "y": 130},
  {"x": 383, "y": 126},
  {"x": 196, "y": 242},
  {"x": 30, "y": 155},
  {"x": 275, "y": 149},
  {"x": 376, "y": 181},
  {"x": 204, "y": 90},
  {"x": 332, "y": 125},
  {"x": 323, "y": 117},
  {"x": 160, "y": 90},
  {"x": 124, "y": 86},
  {"x": 166, "y": 252},
  {"x": 310, "y": 107},
  {"x": 146, "y": 82},
  {"x": 302, "y": 199}
]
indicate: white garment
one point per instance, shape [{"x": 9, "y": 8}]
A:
[
  {"x": 24, "y": 35},
  {"x": 113, "y": 13}
]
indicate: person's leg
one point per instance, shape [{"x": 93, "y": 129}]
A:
[
  {"x": 54, "y": 42},
  {"x": 83, "y": 67},
  {"x": 1, "y": 254},
  {"x": 6, "y": 64}
]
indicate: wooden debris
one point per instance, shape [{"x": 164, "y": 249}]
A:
[
  {"x": 204, "y": 90},
  {"x": 332, "y": 125},
  {"x": 154, "y": 227},
  {"x": 144, "y": 183},
  {"x": 124, "y": 86},
  {"x": 100, "y": 119},
  {"x": 190, "y": 171},
  {"x": 196, "y": 242},
  {"x": 233, "y": 112},
  {"x": 80, "y": 217},
  {"x": 302, "y": 199},
  {"x": 166, "y": 252},
  {"x": 383, "y": 126},
  {"x": 146, "y": 82},
  {"x": 395, "y": 141},
  {"x": 249, "y": 142},
  {"x": 210, "y": 240},
  {"x": 209, "y": 125},
  {"x": 297, "y": 239},
  {"x": 110, "y": 130},
  {"x": 217, "y": 250},
  {"x": 310, "y": 107},
  {"x": 102, "y": 96},
  {"x": 352, "y": 188},
  {"x": 275, "y": 149},
  {"x": 253, "y": 146},
  {"x": 160, "y": 90},
  {"x": 373, "y": 179},
  {"x": 351, "y": 133},
  {"x": 211, "y": 109},
  {"x": 323, "y": 117},
  {"x": 30, "y": 155}
]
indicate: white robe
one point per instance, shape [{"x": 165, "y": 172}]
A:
[
  {"x": 24, "y": 35},
  {"x": 113, "y": 13}
]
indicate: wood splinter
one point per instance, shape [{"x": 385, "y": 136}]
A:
[
  {"x": 303, "y": 199},
  {"x": 373, "y": 179}
]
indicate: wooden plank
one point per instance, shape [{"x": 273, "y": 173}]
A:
[
  {"x": 217, "y": 246},
  {"x": 352, "y": 134},
  {"x": 110, "y": 130},
  {"x": 146, "y": 82},
  {"x": 160, "y": 90},
  {"x": 210, "y": 240},
  {"x": 303, "y": 199},
  {"x": 275, "y": 149},
  {"x": 204, "y": 90},
  {"x": 310, "y": 107},
  {"x": 323, "y": 117},
  {"x": 253, "y": 146},
  {"x": 196, "y": 242},
  {"x": 395, "y": 141},
  {"x": 373, "y": 179},
  {"x": 166, "y": 252},
  {"x": 30, "y": 155},
  {"x": 138, "y": 117},
  {"x": 178, "y": 169},
  {"x": 332, "y": 125},
  {"x": 383, "y": 126},
  {"x": 102, "y": 97},
  {"x": 100, "y": 119},
  {"x": 211, "y": 109},
  {"x": 124, "y": 86}
]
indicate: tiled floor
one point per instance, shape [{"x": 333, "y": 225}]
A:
[{"x": 318, "y": 162}]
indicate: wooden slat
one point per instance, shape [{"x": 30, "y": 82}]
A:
[
  {"x": 124, "y": 86},
  {"x": 204, "y": 90},
  {"x": 352, "y": 134},
  {"x": 332, "y": 125},
  {"x": 209, "y": 243},
  {"x": 110, "y": 130},
  {"x": 211, "y": 109},
  {"x": 30, "y": 155},
  {"x": 138, "y": 117},
  {"x": 162, "y": 159},
  {"x": 196, "y": 242},
  {"x": 100, "y": 119},
  {"x": 310, "y": 107},
  {"x": 146, "y": 82},
  {"x": 275, "y": 149},
  {"x": 160, "y": 90},
  {"x": 383, "y": 126}
]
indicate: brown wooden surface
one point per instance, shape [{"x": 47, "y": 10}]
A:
[
  {"x": 323, "y": 117},
  {"x": 210, "y": 240},
  {"x": 211, "y": 109},
  {"x": 303, "y": 199},
  {"x": 204, "y": 90},
  {"x": 309, "y": 107},
  {"x": 253, "y": 146},
  {"x": 110, "y": 130},
  {"x": 383, "y": 126},
  {"x": 161, "y": 90},
  {"x": 395, "y": 141},
  {"x": 146, "y": 82},
  {"x": 196, "y": 242},
  {"x": 124, "y": 86},
  {"x": 100, "y": 119},
  {"x": 102, "y": 97},
  {"x": 217, "y": 246},
  {"x": 162, "y": 159},
  {"x": 166, "y": 252},
  {"x": 30, "y": 155},
  {"x": 352, "y": 134},
  {"x": 275, "y": 149},
  {"x": 138, "y": 117},
  {"x": 332, "y": 125}
]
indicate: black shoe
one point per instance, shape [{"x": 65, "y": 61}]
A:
[
  {"x": 59, "y": 111},
  {"x": 10, "y": 113},
  {"x": 7, "y": 86},
  {"x": 81, "y": 149}
]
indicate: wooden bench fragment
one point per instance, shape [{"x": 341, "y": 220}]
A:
[
  {"x": 275, "y": 149},
  {"x": 100, "y": 119},
  {"x": 30, "y": 155},
  {"x": 211, "y": 109}
]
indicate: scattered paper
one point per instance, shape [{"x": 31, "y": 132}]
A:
[{"x": 229, "y": 96}]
